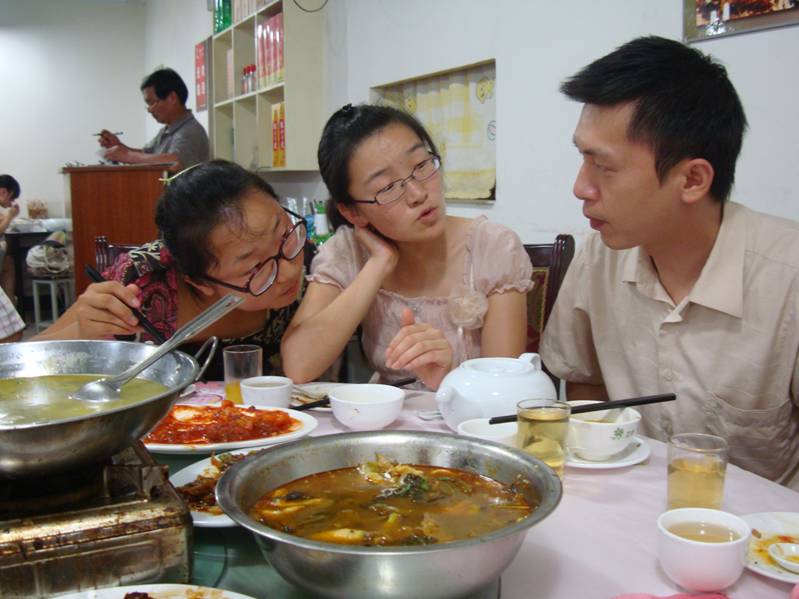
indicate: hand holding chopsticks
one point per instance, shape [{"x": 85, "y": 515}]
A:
[
  {"x": 602, "y": 405},
  {"x": 146, "y": 324}
]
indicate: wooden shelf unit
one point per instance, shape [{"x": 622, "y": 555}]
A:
[{"x": 242, "y": 124}]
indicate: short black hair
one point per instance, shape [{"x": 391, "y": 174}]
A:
[
  {"x": 10, "y": 183},
  {"x": 164, "y": 81},
  {"x": 344, "y": 132},
  {"x": 196, "y": 201},
  {"x": 685, "y": 105}
]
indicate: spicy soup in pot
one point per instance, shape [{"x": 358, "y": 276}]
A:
[{"x": 384, "y": 503}]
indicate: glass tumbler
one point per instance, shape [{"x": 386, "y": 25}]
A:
[
  {"x": 543, "y": 425},
  {"x": 240, "y": 362}
]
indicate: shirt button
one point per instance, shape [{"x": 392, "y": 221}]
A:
[{"x": 666, "y": 374}]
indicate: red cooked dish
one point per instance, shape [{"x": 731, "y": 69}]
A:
[{"x": 200, "y": 425}]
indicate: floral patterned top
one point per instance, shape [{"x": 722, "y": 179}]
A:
[{"x": 152, "y": 268}]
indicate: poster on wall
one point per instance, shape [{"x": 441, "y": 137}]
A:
[
  {"x": 201, "y": 52},
  {"x": 703, "y": 19}
]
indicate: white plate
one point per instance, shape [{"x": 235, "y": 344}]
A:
[
  {"x": 770, "y": 524},
  {"x": 189, "y": 474},
  {"x": 636, "y": 453},
  {"x": 317, "y": 389},
  {"x": 308, "y": 423},
  {"x": 158, "y": 591}
]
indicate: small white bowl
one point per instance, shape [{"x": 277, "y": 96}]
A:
[
  {"x": 597, "y": 441},
  {"x": 267, "y": 391},
  {"x": 781, "y": 552},
  {"x": 366, "y": 407},
  {"x": 700, "y": 566},
  {"x": 499, "y": 433}
]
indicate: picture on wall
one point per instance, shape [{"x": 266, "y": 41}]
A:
[{"x": 705, "y": 19}]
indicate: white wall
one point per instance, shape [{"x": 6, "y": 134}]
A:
[
  {"x": 77, "y": 67},
  {"x": 536, "y": 45},
  {"x": 67, "y": 69}
]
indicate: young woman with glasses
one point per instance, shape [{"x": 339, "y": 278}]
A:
[
  {"x": 429, "y": 290},
  {"x": 222, "y": 230}
]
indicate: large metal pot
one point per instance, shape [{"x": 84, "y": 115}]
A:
[
  {"x": 34, "y": 449},
  {"x": 352, "y": 572}
]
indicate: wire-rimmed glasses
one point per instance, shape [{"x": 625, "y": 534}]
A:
[
  {"x": 265, "y": 273},
  {"x": 396, "y": 189}
]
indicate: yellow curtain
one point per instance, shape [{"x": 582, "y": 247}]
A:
[{"x": 459, "y": 111}]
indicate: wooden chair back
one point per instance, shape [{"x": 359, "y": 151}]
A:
[{"x": 550, "y": 262}]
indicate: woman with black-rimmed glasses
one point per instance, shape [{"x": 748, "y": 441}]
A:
[
  {"x": 429, "y": 289},
  {"x": 222, "y": 230}
]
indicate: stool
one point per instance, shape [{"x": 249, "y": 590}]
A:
[{"x": 55, "y": 285}]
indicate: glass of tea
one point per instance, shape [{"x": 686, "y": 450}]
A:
[
  {"x": 542, "y": 428},
  {"x": 240, "y": 362},
  {"x": 697, "y": 464}
]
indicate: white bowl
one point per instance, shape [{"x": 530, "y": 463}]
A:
[
  {"x": 267, "y": 391},
  {"x": 504, "y": 433},
  {"x": 366, "y": 407},
  {"x": 700, "y": 566},
  {"x": 596, "y": 441}
]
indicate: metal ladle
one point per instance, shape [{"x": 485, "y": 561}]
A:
[{"x": 108, "y": 388}]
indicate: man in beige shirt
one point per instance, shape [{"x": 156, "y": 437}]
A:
[{"x": 678, "y": 290}]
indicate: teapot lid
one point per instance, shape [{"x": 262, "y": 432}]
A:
[{"x": 498, "y": 366}]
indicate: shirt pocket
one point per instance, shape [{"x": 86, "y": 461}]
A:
[{"x": 760, "y": 440}]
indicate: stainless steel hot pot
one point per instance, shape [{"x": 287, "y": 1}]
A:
[
  {"x": 60, "y": 445},
  {"x": 352, "y": 572}
]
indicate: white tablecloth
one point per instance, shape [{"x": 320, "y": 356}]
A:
[{"x": 601, "y": 541}]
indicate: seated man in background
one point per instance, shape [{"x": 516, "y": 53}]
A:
[
  {"x": 9, "y": 192},
  {"x": 678, "y": 290},
  {"x": 182, "y": 140}
]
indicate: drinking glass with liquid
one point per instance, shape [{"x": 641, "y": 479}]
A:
[
  {"x": 240, "y": 362},
  {"x": 697, "y": 465},
  {"x": 542, "y": 428}
]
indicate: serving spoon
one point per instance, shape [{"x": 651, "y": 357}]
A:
[{"x": 108, "y": 388}]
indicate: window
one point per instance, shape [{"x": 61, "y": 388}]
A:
[{"x": 458, "y": 108}]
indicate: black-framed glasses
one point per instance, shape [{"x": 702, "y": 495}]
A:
[
  {"x": 265, "y": 273},
  {"x": 396, "y": 189}
]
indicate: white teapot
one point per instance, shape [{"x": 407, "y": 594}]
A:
[{"x": 488, "y": 387}]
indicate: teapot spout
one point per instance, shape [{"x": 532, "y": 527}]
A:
[{"x": 534, "y": 359}]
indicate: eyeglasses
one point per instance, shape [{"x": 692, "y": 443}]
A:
[
  {"x": 396, "y": 189},
  {"x": 265, "y": 273}
]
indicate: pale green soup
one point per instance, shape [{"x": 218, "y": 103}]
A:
[{"x": 41, "y": 399}]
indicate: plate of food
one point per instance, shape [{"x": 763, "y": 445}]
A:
[
  {"x": 157, "y": 591},
  {"x": 196, "y": 484},
  {"x": 769, "y": 528},
  {"x": 189, "y": 429},
  {"x": 635, "y": 453}
]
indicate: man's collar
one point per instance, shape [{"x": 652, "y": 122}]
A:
[
  {"x": 180, "y": 122},
  {"x": 720, "y": 284}
]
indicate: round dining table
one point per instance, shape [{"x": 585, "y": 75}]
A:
[{"x": 600, "y": 542}]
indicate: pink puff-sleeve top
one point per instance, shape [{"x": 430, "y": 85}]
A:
[{"x": 496, "y": 262}]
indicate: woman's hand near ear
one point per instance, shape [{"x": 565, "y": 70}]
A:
[
  {"x": 381, "y": 250},
  {"x": 422, "y": 349}
]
